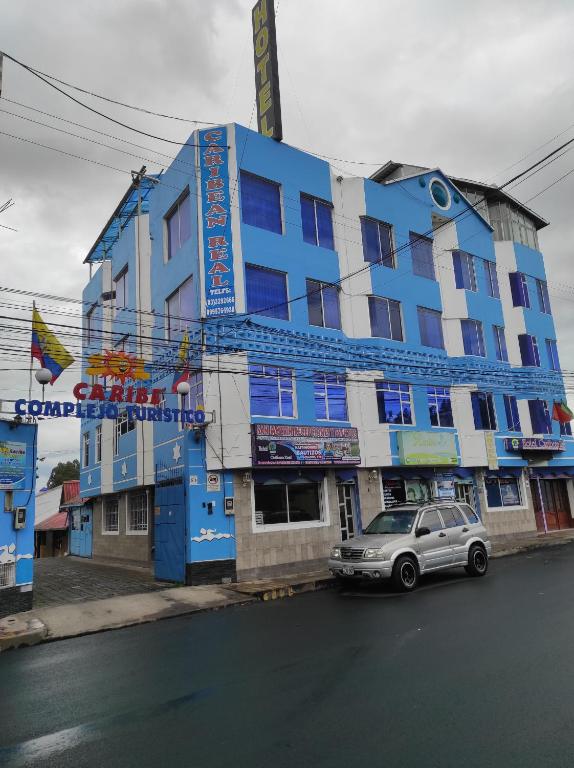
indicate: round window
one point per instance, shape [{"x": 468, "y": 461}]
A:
[{"x": 440, "y": 193}]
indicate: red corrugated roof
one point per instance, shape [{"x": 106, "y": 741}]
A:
[
  {"x": 58, "y": 522},
  {"x": 70, "y": 489}
]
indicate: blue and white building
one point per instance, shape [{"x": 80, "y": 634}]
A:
[
  {"x": 18, "y": 450},
  {"x": 354, "y": 342}
]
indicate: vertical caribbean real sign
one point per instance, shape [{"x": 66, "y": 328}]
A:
[{"x": 216, "y": 211}]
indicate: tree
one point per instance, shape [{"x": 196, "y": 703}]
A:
[{"x": 64, "y": 470}]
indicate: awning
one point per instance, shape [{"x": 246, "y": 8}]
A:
[
  {"x": 550, "y": 473},
  {"x": 57, "y": 522}
]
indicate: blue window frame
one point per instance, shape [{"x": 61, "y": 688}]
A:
[
  {"x": 323, "y": 304},
  {"x": 519, "y": 289},
  {"x": 511, "y": 411},
  {"x": 266, "y": 292},
  {"x": 271, "y": 391},
  {"x": 421, "y": 253},
  {"x": 500, "y": 343},
  {"x": 552, "y": 354},
  {"x": 502, "y": 492},
  {"x": 483, "y": 410},
  {"x": 543, "y": 297},
  {"x": 394, "y": 403},
  {"x": 540, "y": 417},
  {"x": 440, "y": 406},
  {"x": 529, "y": 350},
  {"x": 566, "y": 429},
  {"x": 178, "y": 222},
  {"x": 430, "y": 327},
  {"x": 464, "y": 274},
  {"x": 261, "y": 203},
  {"x": 330, "y": 393},
  {"x": 377, "y": 242},
  {"x": 385, "y": 316},
  {"x": 317, "y": 222},
  {"x": 491, "y": 279},
  {"x": 179, "y": 309},
  {"x": 472, "y": 338}
]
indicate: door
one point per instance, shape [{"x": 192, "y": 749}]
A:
[
  {"x": 346, "y": 498},
  {"x": 458, "y": 532},
  {"x": 81, "y": 532},
  {"x": 434, "y": 549},
  {"x": 170, "y": 528},
  {"x": 551, "y": 503}
]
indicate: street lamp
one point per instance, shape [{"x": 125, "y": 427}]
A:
[{"x": 43, "y": 377}]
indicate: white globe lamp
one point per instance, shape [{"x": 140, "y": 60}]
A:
[
  {"x": 43, "y": 376},
  {"x": 183, "y": 388}
]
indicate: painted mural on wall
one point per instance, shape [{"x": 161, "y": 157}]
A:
[
  {"x": 217, "y": 246},
  {"x": 8, "y": 554}
]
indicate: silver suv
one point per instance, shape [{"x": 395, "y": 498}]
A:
[{"x": 411, "y": 539}]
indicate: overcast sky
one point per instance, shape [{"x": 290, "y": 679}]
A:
[{"x": 472, "y": 88}]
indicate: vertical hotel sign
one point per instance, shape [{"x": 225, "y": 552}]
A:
[
  {"x": 266, "y": 70},
  {"x": 216, "y": 211}
]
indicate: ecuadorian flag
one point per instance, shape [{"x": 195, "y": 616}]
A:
[
  {"x": 182, "y": 365},
  {"x": 47, "y": 348}
]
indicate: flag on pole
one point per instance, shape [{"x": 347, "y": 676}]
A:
[
  {"x": 562, "y": 413},
  {"x": 47, "y": 348},
  {"x": 182, "y": 366}
]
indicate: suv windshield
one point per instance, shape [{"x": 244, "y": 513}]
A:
[{"x": 393, "y": 521}]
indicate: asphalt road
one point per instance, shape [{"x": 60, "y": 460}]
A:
[{"x": 463, "y": 672}]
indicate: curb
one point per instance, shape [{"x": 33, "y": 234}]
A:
[{"x": 16, "y": 632}]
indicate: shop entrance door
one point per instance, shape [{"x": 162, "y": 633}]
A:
[
  {"x": 346, "y": 498},
  {"x": 553, "y": 506}
]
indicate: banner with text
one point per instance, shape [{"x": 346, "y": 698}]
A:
[{"x": 282, "y": 445}]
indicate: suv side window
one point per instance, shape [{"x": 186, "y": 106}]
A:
[
  {"x": 451, "y": 516},
  {"x": 471, "y": 515},
  {"x": 431, "y": 520}
]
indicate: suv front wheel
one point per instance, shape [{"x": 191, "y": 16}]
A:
[
  {"x": 477, "y": 561},
  {"x": 405, "y": 574}
]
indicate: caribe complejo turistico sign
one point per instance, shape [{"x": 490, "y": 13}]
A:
[{"x": 97, "y": 401}]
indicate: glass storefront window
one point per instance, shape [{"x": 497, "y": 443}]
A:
[
  {"x": 280, "y": 503},
  {"x": 503, "y": 492}
]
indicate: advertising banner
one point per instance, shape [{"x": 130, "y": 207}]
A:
[
  {"x": 12, "y": 464},
  {"x": 427, "y": 448},
  {"x": 266, "y": 70},
  {"x": 526, "y": 444},
  {"x": 282, "y": 445},
  {"x": 216, "y": 218}
]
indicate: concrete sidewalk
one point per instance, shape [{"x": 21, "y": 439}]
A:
[{"x": 74, "y": 619}]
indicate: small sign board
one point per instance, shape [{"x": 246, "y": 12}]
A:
[
  {"x": 213, "y": 481},
  {"x": 533, "y": 444}
]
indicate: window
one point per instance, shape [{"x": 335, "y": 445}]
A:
[
  {"x": 137, "y": 513},
  {"x": 440, "y": 194},
  {"x": 330, "y": 397},
  {"x": 431, "y": 520},
  {"x": 543, "y": 297},
  {"x": 98, "y": 443},
  {"x": 421, "y": 252},
  {"x": 440, "y": 407},
  {"x": 266, "y": 292},
  {"x": 464, "y": 274},
  {"x": 552, "y": 353},
  {"x": 451, "y": 517},
  {"x": 430, "y": 327},
  {"x": 565, "y": 429},
  {"x": 281, "y": 503},
  {"x": 323, "y": 304},
  {"x": 471, "y": 515},
  {"x": 500, "y": 344},
  {"x": 509, "y": 223},
  {"x": 502, "y": 492},
  {"x": 121, "y": 284},
  {"x": 179, "y": 309},
  {"x": 261, "y": 203},
  {"x": 385, "y": 316},
  {"x": 394, "y": 403},
  {"x": 121, "y": 344},
  {"x": 511, "y": 411},
  {"x": 90, "y": 323},
  {"x": 491, "y": 279},
  {"x": 540, "y": 417},
  {"x": 195, "y": 382},
  {"x": 271, "y": 391},
  {"x": 483, "y": 410},
  {"x": 519, "y": 290},
  {"x": 377, "y": 242},
  {"x": 178, "y": 222},
  {"x": 529, "y": 350},
  {"x": 86, "y": 449},
  {"x": 472, "y": 338},
  {"x": 111, "y": 516},
  {"x": 317, "y": 221},
  {"x": 123, "y": 426}
]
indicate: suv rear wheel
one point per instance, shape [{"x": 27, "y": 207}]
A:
[
  {"x": 405, "y": 574},
  {"x": 477, "y": 561}
]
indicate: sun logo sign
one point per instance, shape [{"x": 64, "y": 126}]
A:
[{"x": 118, "y": 365}]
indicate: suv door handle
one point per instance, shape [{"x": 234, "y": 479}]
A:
[
  {"x": 465, "y": 529},
  {"x": 442, "y": 533}
]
